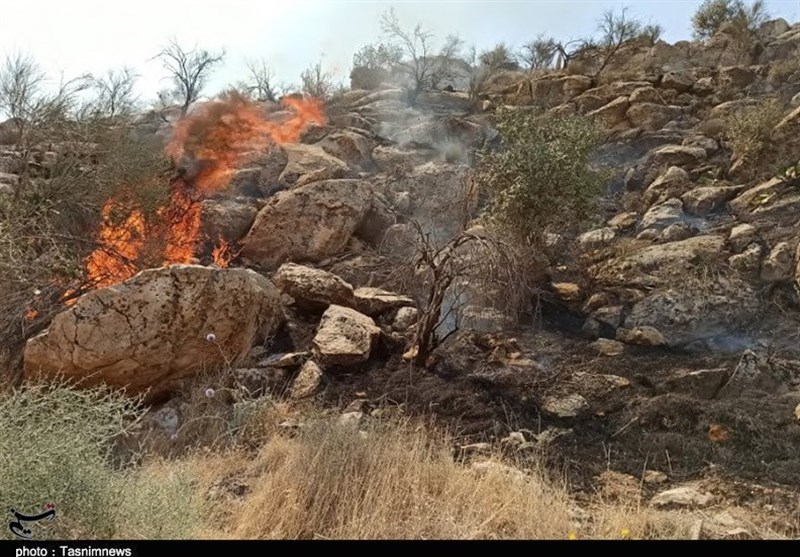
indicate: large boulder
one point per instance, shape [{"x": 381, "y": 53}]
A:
[
  {"x": 226, "y": 219},
  {"x": 696, "y": 311},
  {"x": 307, "y": 223},
  {"x": 651, "y": 116},
  {"x": 157, "y": 327},
  {"x": 344, "y": 337},
  {"x": 350, "y": 146},
  {"x": 311, "y": 163},
  {"x": 313, "y": 288},
  {"x": 259, "y": 174}
]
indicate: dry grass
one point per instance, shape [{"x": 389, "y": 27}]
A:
[{"x": 397, "y": 481}]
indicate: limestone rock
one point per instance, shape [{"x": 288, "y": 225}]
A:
[
  {"x": 307, "y": 223},
  {"x": 405, "y": 318},
  {"x": 311, "y": 160},
  {"x": 608, "y": 347},
  {"x": 642, "y": 336},
  {"x": 159, "y": 326},
  {"x": 741, "y": 236},
  {"x": 612, "y": 114},
  {"x": 596, "y": 238},
  {"x": 683, "y": 496},
  {"x": 569, "y": 406},
  {"x": 671, "y": 184},
  {"x": 778, "y": 264},
  {"x": 662, "y": 215},
  {"x": 706, "y": 199},
  {"x": 313, "y": 288},
  {"x": 374, "y": 301},
  {"x": 307, "y": 381},
  {"x": 344, "y": 337}
]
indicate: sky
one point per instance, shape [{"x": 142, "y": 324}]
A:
[{"x": 73, "y": 37}]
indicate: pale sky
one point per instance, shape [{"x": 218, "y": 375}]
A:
[{"x": 79, "y": 36}]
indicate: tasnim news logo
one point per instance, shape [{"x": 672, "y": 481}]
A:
[{"x": 19, "y": 526}]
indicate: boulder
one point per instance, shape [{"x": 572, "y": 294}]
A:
[
  {"x": 349, "y": 146},
  {"x": 663, "y": 215},
  {"x": 778, "y": 265},
  {"x": 345, "y": 337},
  {"x": 308, "y": 223},
  {"x": 695, "y": 312},
  {"x": 596, "y": 238},
  {"x": 226, "y": 219},
  {"x": 623, "y": 221},
  {"x": 646, "y": 94},
  {"x": 259, "y": 174},
  {"x": 405, "y": 318},
  {"x": 396, "y": 160},
  {"x": 612, "y": 114},
  {"x": 706, "y": 199},
  {"x": 652, "y": 116},
  {"x": 307, "y": 381},
  {"x": 313, "y": 288},
  {"x": 680, "y": 81},
  {"x": 742, "y": 236},
  {"x": 608, "y": 347},
  {"x": 676, "y": 232},
  {"x": 374, "y": 301},
  {"x": 676, "y": 155},
  {"x": 660, "y": 264},
  {"x": 311, "y": 162},
  {"x": 157, "y": 327},
  {"x": 673, "y": 183},
  {"x": 748, "y": 261}
]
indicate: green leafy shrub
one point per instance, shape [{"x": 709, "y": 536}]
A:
[
  {"x": 539, "y": 179},
  {"x": 56, "y": 447}
]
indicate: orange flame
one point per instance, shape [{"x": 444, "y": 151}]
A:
[
  {"x": 212, "y": 141},
  {"x": 31, "y": 314},
  {"x": 121, "y": 242},
  {"x": 223, "y": 253}
]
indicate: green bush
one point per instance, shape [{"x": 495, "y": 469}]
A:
[
  {"x": 539, "y": 178},
  {"x": 56, "y": 446},
  {"x": 712, "y": 15}
]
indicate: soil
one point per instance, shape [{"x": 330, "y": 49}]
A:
[{"x": 655, "y": 422}]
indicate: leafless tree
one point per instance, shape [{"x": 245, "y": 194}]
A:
[
  {"x": 539, "y": 54},
  {"x": 423, "y": 67},
  {"x": 261, "y": 84},
  {"x": 188, "y": 70},
  {"x": 615, "y": 30},
  {"x": 316, "y": 82},
  {"x": 115, "y": 94}
]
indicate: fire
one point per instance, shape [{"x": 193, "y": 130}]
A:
[
  {"x": 31, "y": 314},
  {"x": 223, "y": 253},
  {"x": 121, "y": 240},
  {"x": 208, "y": 146}
]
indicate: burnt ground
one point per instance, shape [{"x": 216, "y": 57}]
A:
[{"x": 661, "y": 416}]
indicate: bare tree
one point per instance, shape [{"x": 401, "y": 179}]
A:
[
  {"x": 316, "y": 82},
  {"x": 615, "y": 30},
  {"x": 423, "y": 67},
  {"x": 188, "y": 70},
  {"x": 261, "y": 84},
  {"x": 539, "y": 54},
  {"x": 115, "y": 94}
]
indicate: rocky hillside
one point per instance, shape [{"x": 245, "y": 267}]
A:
[{"x": 666, "y": 337}]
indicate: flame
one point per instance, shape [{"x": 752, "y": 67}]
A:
[
  {"x": 223, "y": 253},
  {"x": 208, "y": 146},
  {"x": 31, "y": 314},
  {"x": 120, "y": 245}
]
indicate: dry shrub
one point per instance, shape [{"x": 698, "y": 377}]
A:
[
  {"x": 393, "y": 481},
  {"x": 750, "y": 129}
]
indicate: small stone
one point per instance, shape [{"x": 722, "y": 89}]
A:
[
  {"x": 568, "y": 291},
  {"x": 307, "y": 381},
  {"x": 642, "y": 336},
  {"x": 797, "y": 412},
  {"x": 684, "y": 496},
  {"x": 514, "y": 438},
  {"x": 351, "y": 419},
  {"x": 654, "y": 477},
  {"x": 568, "y": 406},
  {"x": 476, "y": 448},
  {"x": 623, "y": 221},
  {"x": 405, "y": 319},
  {"x": 741, "y": 236},
  {"x": 608, "y": 347}
]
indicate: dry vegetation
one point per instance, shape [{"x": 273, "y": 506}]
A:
[{"x": 324, "y": 479}]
